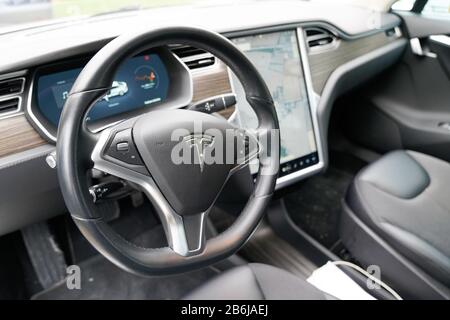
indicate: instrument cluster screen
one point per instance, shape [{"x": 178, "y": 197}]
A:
[{"x": 140, "y": 81}]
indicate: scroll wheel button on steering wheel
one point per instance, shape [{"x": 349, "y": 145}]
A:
[{"x": 121, "y": 147}]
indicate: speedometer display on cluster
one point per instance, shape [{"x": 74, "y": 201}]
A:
[
  {"x": 140, "y": 81},
  {"x": 147, "y": 77}
]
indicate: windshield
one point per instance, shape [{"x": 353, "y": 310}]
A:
[{"x": 14, "y": 13}]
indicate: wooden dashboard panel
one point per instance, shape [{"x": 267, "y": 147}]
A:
[
  {"x": 324, "y": 63},
  {"x": 211, "y": 82},
  {"x": 16, "y": 135}
]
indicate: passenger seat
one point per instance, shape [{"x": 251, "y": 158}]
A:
[{"x": 397, "y": 215}]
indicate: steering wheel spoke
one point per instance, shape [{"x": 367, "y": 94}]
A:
[
  {"x": 115, "y": 152},
  {"x": 185, "y": 234}
]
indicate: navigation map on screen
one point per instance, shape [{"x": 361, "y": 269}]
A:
[{"x": 277, "y": 58}]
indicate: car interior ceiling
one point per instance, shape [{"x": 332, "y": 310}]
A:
[{"x": 373, "y": 113}]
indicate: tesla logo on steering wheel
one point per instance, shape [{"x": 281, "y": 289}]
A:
[{"x": 199, "y": 143}]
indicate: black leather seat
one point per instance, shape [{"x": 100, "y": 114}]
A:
[
  {"x": 397, "y": 215},
  {"x": 257, "y": 282}
]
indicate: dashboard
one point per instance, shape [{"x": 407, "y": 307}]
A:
[
  {"x": 144, "y": 82},
  {"x": 307, "y": 54}
]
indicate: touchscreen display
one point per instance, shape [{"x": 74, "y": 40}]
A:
[
  {"x": 277, "y": 58},
  {"x": 140, "y": 81}
]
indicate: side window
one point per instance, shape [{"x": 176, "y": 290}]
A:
[
  {"x": 403, "y": 5},
  {"x": 439, "y": 9}
]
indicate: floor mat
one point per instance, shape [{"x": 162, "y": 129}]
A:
[
  {"x": 100, "y": 279},
  {"x": 266, "y": 247},
  {"x": 316, "y": 203}
]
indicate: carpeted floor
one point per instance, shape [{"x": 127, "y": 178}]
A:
[
  {"x": 266, "y": 247},
  {"x": 315, "y": 204},
  {"x": 100, "y": 279}
]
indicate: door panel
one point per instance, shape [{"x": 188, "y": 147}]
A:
[
  {"x": 408, "y": 106},
  {"x": 419, "y": 26},
  {"x": 442, "y": 50}
]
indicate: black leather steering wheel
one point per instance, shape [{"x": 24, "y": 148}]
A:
[{"x": 182, "y": 194}]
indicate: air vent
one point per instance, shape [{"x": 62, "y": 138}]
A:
[
  {"x": 318, "y": 38},
  {"x": 12, "y": 86},
  {"x": 194, "y": 58},
  {"x": 9, "y": 105}
]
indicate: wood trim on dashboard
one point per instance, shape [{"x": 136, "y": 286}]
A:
[
  {"x": 211, "y": 82},
  {"x": 17, "y": 135},
  {"x": 322, "y": 64}
]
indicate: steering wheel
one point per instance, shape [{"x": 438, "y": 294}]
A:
[{"x": 182, "y": 193}]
